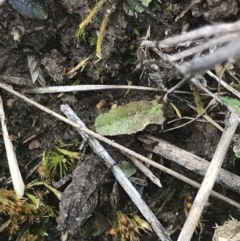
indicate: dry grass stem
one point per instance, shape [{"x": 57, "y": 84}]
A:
[
  {"x": 72, "y": 88},
  {"x": 209, "y": 180},
  {"x": 224, "y": 84},
  {"x": 16, "y": 176}
]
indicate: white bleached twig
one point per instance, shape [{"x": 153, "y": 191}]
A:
[
  {"x": 206, "y": 62},
  {"x": 224, "y": 84},
  {"x": 144, "y": 170},
  {"x": 209, "y": 180},
  {"x": 71, "y": 88},
  {"x": 204, "y": 32},
  {"x": 200, "y": 48},
  {"x": 17, "y": 180}
]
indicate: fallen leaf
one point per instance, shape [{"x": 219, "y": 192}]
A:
[
  {"x": 132, "y": 6},
  {"x": 128, "y": 168},
  {"x": 130, "y": 118},
  {"x": 233, "y": 103}
]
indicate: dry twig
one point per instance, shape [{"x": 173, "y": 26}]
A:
[
  {"x": 71, "y": 88},
  {"x": 16, "y": 176},
  {"x": 228, "y": 34},
  {"x": 209, "y": 180},
  {"x": 201, "y": 64},
  {"x": 199, "y": 48},
  {"x": 203, "y": 32},
  {"x": 144, "y": 170},
  {"x": 120, "y": 176},
  {"x": 189, "y": 161},
  {"x": 224, "y": 84}
]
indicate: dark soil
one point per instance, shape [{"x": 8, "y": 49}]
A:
[{"x": 52, "y": 40}]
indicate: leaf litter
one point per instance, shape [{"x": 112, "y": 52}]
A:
[
  {"x": 130, "y": 118},
  {"x": 29, "y": 121}
]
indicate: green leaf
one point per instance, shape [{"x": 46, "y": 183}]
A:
[
  {"x": 233, "y": 103},
  {"x": 236, "y": 150},
  {"x": 69, "y": 154},
  {"x": 40, "y": 11},
  {"x": 128, "y": 168},
  {"x": 130, "y": 118},
  {"x": 131, "y": 6},
  {"x": 156, "y": 109}
]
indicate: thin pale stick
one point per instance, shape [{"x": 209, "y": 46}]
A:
[
  {"x": 224, "y": 84},
  {"x": 71, "y": 88},
  {"x": 202, "y": 64},
  {"x": 203, "y": 32},
  {"x": 221, "y": 76},
  {"x": 74, "y": 88},
  {"x": 16, "y": 176},
  {"x": 144, "y": 170},
  {"x": 200, "y": 48},
  {"x": 200, "y": 86},
  {"x": 209, "y": 180},
  {"x": 230, "y": 72},
  {"x": 178, "y": 85}
]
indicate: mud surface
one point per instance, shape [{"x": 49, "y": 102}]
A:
[{"x": 56, "y": 51}]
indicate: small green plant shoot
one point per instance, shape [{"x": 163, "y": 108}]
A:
[{"x": 58, "y": 163}]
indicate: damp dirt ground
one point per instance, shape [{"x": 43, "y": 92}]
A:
[{"x": 56, "y": 51}]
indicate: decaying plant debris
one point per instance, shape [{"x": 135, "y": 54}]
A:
[
  {"x": 84, "y": 44},
  {"x": 81, "y": 197}
]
